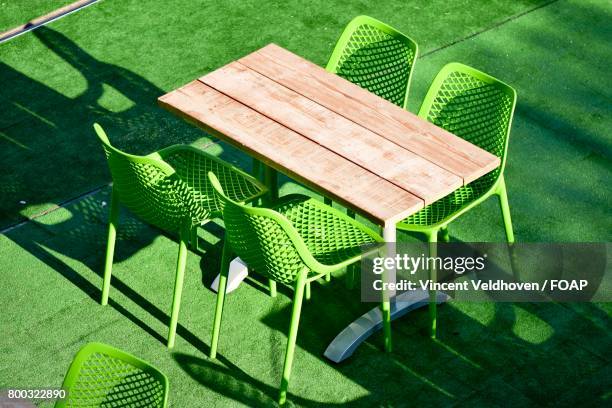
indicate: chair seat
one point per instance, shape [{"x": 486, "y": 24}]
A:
[
  {"x": 445, "y": 208},
  {"x": 192, "y": 166},
  {"x": 331, "y": 236}
]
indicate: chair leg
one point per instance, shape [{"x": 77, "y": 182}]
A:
[
  {"x": 445, "y": 235},
  {"x": 193, "y": 238},
  {"x": 178, "y": 285},
  {"x": 308, "y": 293},
  {"x": 352, "y": 274},
  {"x": 502, "y": 193},
  {"x": 272, "y": 286},
  {"x": 505, "y": 209},
  {"x": 433, "y": 305},
  {"x": 328, "y": 277},
  {"x": 385, "y": 309},
  {"x": 293, "y": 329},
  {"x": 113, "y": 224},
  {"x": 386, "y": 320},
  {"x": 220, "y": 300},
  {"x": 350, "y": 277},
  {"x": 256, "y": 169}
]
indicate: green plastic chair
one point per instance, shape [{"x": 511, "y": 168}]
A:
[
  {"x": 169, "y": 189},
  {"x": 478, "y": 108},
  {"x": 297, "y": 242},
  {"x": 103, "y": 376},
  {"x": 376, "y": 57}
]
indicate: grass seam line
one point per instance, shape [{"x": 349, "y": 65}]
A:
[
  {"x": 484, "y": 30},
  {"x": 67, "y": 202},
  {"x": 55, "y": 207}
]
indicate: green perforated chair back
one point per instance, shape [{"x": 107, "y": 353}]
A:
[
  {"x": 147, "y": 186},
  {"x": 376, "y": 57},
  {"x": 192, "y": 166},
  {"x": 472, "y": 105},
  {"x": 263, "y": 238},
  {"x": 103, "y": 376}
]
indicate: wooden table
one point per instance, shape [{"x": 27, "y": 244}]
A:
[{"x": 350, "y": 145}]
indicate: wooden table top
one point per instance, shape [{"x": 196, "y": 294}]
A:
[{"x": 335, "y": 137}]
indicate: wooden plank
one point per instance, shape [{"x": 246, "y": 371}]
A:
[
  {"x": 336, "y": 133},
  {"x": 378, "y": 115},
  {"x": 291, "y": 153}
]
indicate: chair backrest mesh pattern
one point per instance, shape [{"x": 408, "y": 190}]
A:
[
  {"x": 147, "y": 190},
  {"x": 108, "y": 381},
  {"x": 332, "y": 238},
  {"x": 376, "y": 59},
  {"x": 259, "y": 239},
  {"x": 473, "y": 106},
  {"x": 201, "y": 200},
  {"x": 263, "y": 244}
]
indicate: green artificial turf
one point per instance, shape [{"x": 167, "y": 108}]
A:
[{"x": 109, "y": 63}]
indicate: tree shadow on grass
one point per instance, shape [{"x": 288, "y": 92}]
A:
[
  {"x": 84, "y": 230},
  {"x": 230, "y": 381},
  {"x": 49, "y": 152},
  {"x": 517, "y": 354},
  {"x": 540, "y": 342}
]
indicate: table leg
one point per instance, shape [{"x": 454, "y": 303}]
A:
[
  {"x": 389, "y": 235},
  {"x": 271, "y": 182},
  {"x": 347, "y": 341},
  {"x": 238, "y": 271}
]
